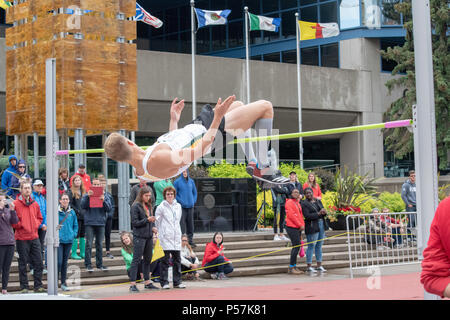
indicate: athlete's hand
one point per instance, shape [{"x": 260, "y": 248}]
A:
[
  {"x": 222, "y": 107},
  {"x": 175, "y": 109}
]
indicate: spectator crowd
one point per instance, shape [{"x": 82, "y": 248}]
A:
[{"x": 160, "y": 244}]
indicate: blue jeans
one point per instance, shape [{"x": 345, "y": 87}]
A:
[
  {"x": 63, "y": 257},
  {"x": 223, "y": 268},
  {"x": 411, "y": 221},
  {"x": 314, "y": 245},
  {"x": 99, "y": 233}
]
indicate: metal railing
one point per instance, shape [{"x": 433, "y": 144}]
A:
[{"x": 381, "y": 239}]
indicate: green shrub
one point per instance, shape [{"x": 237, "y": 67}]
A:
[
  {"x": 227, "y": 170},
  {"x": 393, "y": 201},
  {"x": 327, "y": 179}
]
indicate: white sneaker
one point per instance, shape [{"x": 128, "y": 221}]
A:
[
  {"x": 321, "y": 269},
  {"x": 311, "y": 269},
  {"x": 166, "y": 286},
  {"x": 277, "y": 238},
  {"x": 180, "y": 286},
  {"x": 283, "y": 237}
]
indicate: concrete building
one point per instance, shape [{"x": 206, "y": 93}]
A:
[{"x": 343, "y": 78}]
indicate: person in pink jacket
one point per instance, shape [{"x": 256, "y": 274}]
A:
[{"x": 435, "y": 275}]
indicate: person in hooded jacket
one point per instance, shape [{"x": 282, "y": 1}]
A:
[
  {"x": 7, "y": 174},
  {"x": 186, "y": 197},
  {"x": 8, "y": 217},
  {"x": 168, "y": 216},
  {"x": 14, "y": 184},
  {"x": 27, "y": 238},
  {"x": 68, "y": 229}
]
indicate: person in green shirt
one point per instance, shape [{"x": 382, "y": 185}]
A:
[
  {"x": 127, "y": 253},
  {"x": 159, "y": 186}
]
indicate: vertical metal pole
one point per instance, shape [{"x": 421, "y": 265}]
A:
[
  {"x": 51, "y": 146},
  {"x": 299, "y": 90},
  {"x": 193, "y": 43},
  {"x": 193, "y": 46},
  {"x": 133, "y": 138},
  {"x": 425, "y": 126},
  {"x": 16, "y": 145},
  {"x": 78, "y": 146},
  {"x": 36, "y": 154},
  {"x": 104, "y": 157},
  {"x": 123, "y": 186},
  {"x": 247, "y": 54}
]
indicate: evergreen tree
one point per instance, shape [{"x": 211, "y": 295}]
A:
[{"x": 400, "y": 140}]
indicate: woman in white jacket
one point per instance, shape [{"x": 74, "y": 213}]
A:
[{"x": 168, "y": 216}]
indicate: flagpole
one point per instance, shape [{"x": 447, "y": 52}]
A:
[
  {"x": 193, "y": 42},
  {"x": 299, "y": 90},
  {"x": 247, "y": 54}
]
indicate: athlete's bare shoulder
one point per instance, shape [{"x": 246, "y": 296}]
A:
[{"x": 162, "y": 163}]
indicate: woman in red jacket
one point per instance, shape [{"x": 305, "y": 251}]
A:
[
  {"x": 435, "y": 275},
  {"x": 214, "y": 260},
  {"x": 311, "y": 183},
  {"x": 294, "y": 227}
]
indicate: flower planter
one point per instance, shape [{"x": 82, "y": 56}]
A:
[{"x": 340, "y": 224}]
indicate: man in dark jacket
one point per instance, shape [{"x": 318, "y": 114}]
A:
[
  {"x": 95, "y": 221},
  {"x": 186, "y": 197},
  {"x": 109, "y": 219},
  {"x": 6, "y": 176},
  {"x": 294, "y": 184},
  {"x": 27, "y": 238},
  {"x": 135, "y": 191}
]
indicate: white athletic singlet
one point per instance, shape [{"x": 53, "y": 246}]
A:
[{"x": 176, "y": 140}]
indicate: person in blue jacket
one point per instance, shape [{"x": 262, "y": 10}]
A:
[
  {"x": 68, "y": 230},
  {"x": 37, "y": 195},
  {"x": 187, "y": 197},
  {"x": 94, "y": 223},
  {"x": 14, "y": 184},
  {"x": 6, "y": 176}
]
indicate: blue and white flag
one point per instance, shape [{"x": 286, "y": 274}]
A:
[
  {"x": 144, "y": 16},
  {"x": 207, "y": 17}
]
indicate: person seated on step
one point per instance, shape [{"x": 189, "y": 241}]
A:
[
  {"x": 176, "y": 150},
  {"x": 126, "y": 238},
  {"x": 189, "y": 260},
  {"x": 376, "y": 232},
  {"x": 214, "y": 260}
]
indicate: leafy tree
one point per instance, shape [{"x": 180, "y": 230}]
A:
[{"x": 400, "y": 140}]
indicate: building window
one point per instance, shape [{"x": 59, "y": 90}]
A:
[
  {"x": 254, "y": 6},
  {"x": 349, "y": 14},
  {"x": 389, "y": 15},
  {"x": 289, "y": 56},
  {"x": 329, "y": 55},
  {"x": 288, "y": 24},
  {"x": 389, "y": 65},
  {"x": 328, "y": 12},
  {"x": 219, "y": 37},
  {"x": 270, "y": 6},
  {"x": 274, "y": 57},
  {"x": 306, "y": 2},
  {"x": 288, "y": 4},
  {"x": 310, "y": 56},
  {"x": 309, "y": 14},
  {"x": 236, "y": 34}
]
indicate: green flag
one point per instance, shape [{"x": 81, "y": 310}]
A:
[{"x": 264, "y": 23}]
